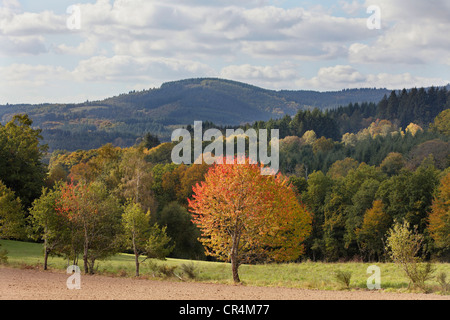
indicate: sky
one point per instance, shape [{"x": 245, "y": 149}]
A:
[{"x": 71, "y": 51}]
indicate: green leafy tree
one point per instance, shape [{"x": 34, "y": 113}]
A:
[
  {"x": 181, "y": 230},
  {"x": 159, "y": 187},
  {"x": 136, "y": 178},
  {"x": 136, "y": 224},
  {"x": 12, "y": 216},
  {"x": 21, "y": 153},
  {"x": 96, "y": 219},
  {"x": 150, "y": 141},
  {"x": 47, "y": 224},
  {"x": 409, "y": 195},
  {"x": 356, "y": 212},
  {"x": 341, "y": 168},
  {"x": 393, "y": 163},
  {"x": 344, "y": 209},
  {"x": 159, "y": 243},
  {"x": 319, "y": 188},
  {"x": 441, "y": 123},
  {"x": 161, "y": 154}
]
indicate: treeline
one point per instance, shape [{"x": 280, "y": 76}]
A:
[
  {"x": 419, "y": 106},
  {"x": 355, "y": 204}
]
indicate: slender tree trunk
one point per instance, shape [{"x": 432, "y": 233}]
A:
[
  {"x": 85, "y": 253},
  {"x": 45, "y": 250},
  {"x": 85, "y": 260},
  {"x": 234, "y": 259},
  {"x": 137, "y": 186},
  {"x": 91, "y": 266},
  {"x": 136, "y": 256},
  {"x": 45, "y": 257}
]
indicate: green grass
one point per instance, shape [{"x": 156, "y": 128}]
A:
[{"x": 308, "y": 275}]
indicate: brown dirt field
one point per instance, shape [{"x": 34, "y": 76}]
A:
[{"x": 19, "y": 284}]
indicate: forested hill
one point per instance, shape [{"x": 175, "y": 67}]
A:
[
  {"x": 252, "y": 103},
  {"x": 123, "y": 119}
]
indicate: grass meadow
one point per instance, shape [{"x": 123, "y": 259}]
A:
[{"x": 306, "y": 275}]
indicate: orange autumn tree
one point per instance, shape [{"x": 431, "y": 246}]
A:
[
  {"x": 371, "y": 235},
  {"x": 247, "y": 217},
  {"x": 439, "y": 219}
]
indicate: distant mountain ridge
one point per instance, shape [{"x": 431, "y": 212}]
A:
[
  {"x": 123, "y": 118},
  {"x": 236, "y": 102}
]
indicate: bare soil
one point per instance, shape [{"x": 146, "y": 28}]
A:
[{"x": 25, "y": 284}]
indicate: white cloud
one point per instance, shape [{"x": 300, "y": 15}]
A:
[
  {"x": 413, "y": 11},
  {"x": 351, "y": 7},
  {"x": 413, "y": 32},
  {"x": 174, "y": 29},
  {"x": 28, "y": 23},
  {"x": 272, "y": 77},
  {"x": 346, "y": 76},
  {"x": 86, "y": 48},
  {"x": 32, "y": 75},
  {"x": 22, "y": 33},
  {"x": 338, "y": 77},
  {"x": 124, "y": 44},
  {"x": 30, "y": 45},
  {"x": 247, "y": 71},
  {"x": 129, "y": 68}
]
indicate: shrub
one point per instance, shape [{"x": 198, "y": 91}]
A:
[
  {"x": 167, "y": 271},
  {"x": 3, "y": 255},
  {"x": 189, "y": 270},
  {"x": 403, "y": 246},
  {"x": 343, "y": 277},
  {"x": 442, "y": 280}
]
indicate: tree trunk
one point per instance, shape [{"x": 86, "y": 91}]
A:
[
  {"x": 234, "y": 259},
  {"x": 136, "y": 254},
  {"x": 45, "y": 248},
  {"x": 85, "y": 261},
  {"x": 234, "y": 268},
  {"x": 136, "y": 258},
  {"x": 45, "y": 257},
  {"x": 86, "y": 248},
  {"x": 91, "y": 266},
  {"x": 85, "y": 256}
]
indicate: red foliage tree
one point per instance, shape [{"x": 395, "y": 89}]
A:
[{"x": 246, "y": 217}]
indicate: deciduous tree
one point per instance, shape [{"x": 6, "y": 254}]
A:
[
  {"x": 136, "y": 225},
  {"x": 12, "y": 217},
  {"x": 439, "y": 219},
  {"x": 21, "y": 153},
  {"x": 96, "y": 219},
  {"x": 47, "y": 224},
  {"x": 246, "y": 217},
  {"x": 371, "y": 235}
]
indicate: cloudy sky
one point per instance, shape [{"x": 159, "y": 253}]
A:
[{"x": 73, "y": 51}]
